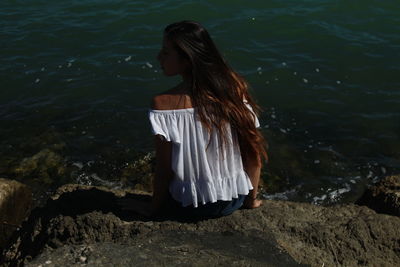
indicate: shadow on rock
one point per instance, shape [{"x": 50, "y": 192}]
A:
[
  {"x": 49, "y": 225},
  {"x": 88, "y": 220},
  {"x": 90, "y": 216}
]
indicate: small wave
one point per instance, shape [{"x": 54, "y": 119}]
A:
[
  {"x": 331, "y": 196},
  {"x": 94, "y": 179},
  {"x": 286, "y": 195}
]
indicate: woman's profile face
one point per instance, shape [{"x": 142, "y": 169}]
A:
[{"x": 170, "y": 61}]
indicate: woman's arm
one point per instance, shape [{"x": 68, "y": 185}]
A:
[
  {"x": 252, "y": 166},
  {"x": 163, "y": 174}
]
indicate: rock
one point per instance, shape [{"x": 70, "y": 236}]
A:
[
  {"x": 140, "y": 172},
  {"x": 15, "y": 203},
  {"x": 43, "y": 166},
  {"x": 84, "y": 224},
  {"x": 174, "y": 248},
  {"x": 384, "y": 197}
]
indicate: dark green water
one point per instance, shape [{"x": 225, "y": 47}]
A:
[{"x": 77, "y": 77}]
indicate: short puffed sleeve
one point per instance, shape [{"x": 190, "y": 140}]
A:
[{"x": 161, "y": 124}]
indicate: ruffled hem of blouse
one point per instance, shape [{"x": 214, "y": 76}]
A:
[{"x": 210, "y": 190}]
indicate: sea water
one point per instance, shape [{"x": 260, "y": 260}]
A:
[{"x": 77, "y": 78}]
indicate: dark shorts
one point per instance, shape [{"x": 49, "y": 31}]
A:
[{"x": 209, "y": 210}]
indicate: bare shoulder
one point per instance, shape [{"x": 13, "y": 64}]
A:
[
  {"x": 162, "y": 100},
  {"x": 170, "y": 99}
]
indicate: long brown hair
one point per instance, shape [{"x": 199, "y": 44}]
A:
[{"x": 217, "y": 91}]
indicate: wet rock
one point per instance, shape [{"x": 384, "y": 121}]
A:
[
  {"x": 15, "y": 203},
  {"x": 139, "y": 173},
  {"x": 86, "y": 226},
  {"x": 383, "y": 197},
  {"x": 44, "y": 166}
]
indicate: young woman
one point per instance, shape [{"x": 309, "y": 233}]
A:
[{"x": 208, "y": 149}]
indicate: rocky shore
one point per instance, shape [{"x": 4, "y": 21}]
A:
[{"x": 83, "y": 225}]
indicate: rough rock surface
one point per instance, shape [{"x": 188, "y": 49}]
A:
[
  {"x": 85, "y": 225},
  {"x": 384, "y": 197},
  {"x": 15, "y": 202}
]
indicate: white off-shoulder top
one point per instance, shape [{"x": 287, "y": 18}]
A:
[{"x": 201, "y": 174}]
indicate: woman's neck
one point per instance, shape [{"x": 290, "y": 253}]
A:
[{"x": 185, "y": 86}]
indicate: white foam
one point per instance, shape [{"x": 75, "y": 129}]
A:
[
  {"x": 333, "y": 196},
  {"x": 305, "y": 80},
  {"x": 281, "y": 195},
  {"x": 318, "y": 200},
  {"x": 383, "y": 169},
  {"x": 148, "y": 64},
  {"x": 78, "y": 164},
  {"x": 128, "y": 58},
  {"x": 90, "y": 163},
  {"x": 83, "y": 179}
]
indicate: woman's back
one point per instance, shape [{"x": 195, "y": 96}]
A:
[
  {"x": 203, "y": 126},
  {"x": 202, "y": 171}
]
